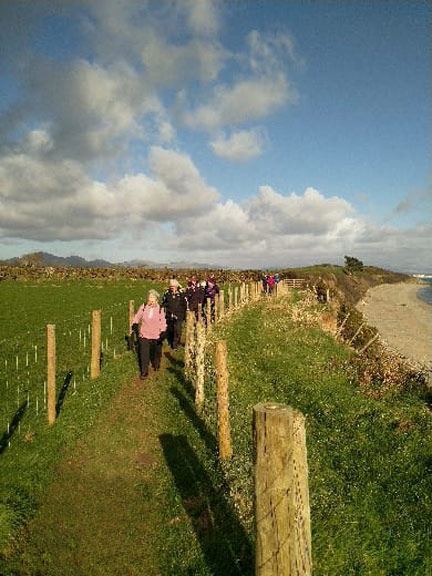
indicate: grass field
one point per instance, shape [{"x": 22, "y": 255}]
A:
[{"x": 26, "y": 309}]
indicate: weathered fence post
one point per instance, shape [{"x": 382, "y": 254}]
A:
[
  {"x": 371, "y": 341},
  {"x": 96, "y": 344},
  {"x": 282, "y": 514},
  {"x": 199, "y": 363},
  {"x": 230, "y": 297},
  {"x": 208, "y": 315},
  {"x": 131, "y": 313},
  {"x": 236, "y": 290},
  {"x": 224, "y": 432},
  {"x": 221, "y": 304},
  {"x": 343, "y": 324},
  {"x": 357, "y": 333},
  {"x": 200, "y": 314},
  {"x": 51, "y": 374},
  {"x": 216, "y": 309},
  {"x": 189, "y": 341}
]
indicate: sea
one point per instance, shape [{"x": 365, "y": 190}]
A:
[{"x": 425, "y": 293}]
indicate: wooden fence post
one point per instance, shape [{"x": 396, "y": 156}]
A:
[
  {"x": 200, "y": 314},
  {"x": 189, "y": 341},
  {"x": 51, "y": 374},
  {"x": 199, "y": 363},
  {"x": 343, "y": 324},
  {"x": 96, "y": 344},
  {"x": 216, "y": 309},
  {"x": 208, "y": 315},
  {"x": 371, "y": 341},
  {"x": 282, "y": 514},
  {"x": 221, "y": 304},
  {"x": 236, "y": 290},
  {"x": 230, "y": 298},
  {"x": 224, "y": 432},
  {"x": 357, "y": 333},
  {"x": 131, "y": 314}
]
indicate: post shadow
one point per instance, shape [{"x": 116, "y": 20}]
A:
[
  {"x": 177, "y": 369},
  {"x": 197, "y": 422},
  {"x": 13, "y": 425},
  {"x": 63, "y": 392},
  {"x": 223, "y": 540}
]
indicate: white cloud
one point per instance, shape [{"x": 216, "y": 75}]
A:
[
  {"x": 241, "y": 146},
  {"x": 203, "y": 16},
  {"x": 46, "y": 199},
  {"x": 246, "y": 100},
  {"x": 269, "y": 52},
  {"x": 293, "y": 214},
  {"x": 176, "y": 65}
]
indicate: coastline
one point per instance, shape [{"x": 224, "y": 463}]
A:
[{"x": 403, "y": 320}]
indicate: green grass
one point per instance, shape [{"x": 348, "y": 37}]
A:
[
  {"x": 27, "y": 447},
  {"x": 25, "y": 310},
  {"x": 370, "y": 461}
]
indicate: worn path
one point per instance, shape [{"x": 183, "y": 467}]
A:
[
  {"x": 142, "y": 494},
  {"x": 97, "y": 516}
]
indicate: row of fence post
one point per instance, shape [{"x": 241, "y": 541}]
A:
[
  {"x": 51, "y": 361},
  {"x": 282, "y": 511}
]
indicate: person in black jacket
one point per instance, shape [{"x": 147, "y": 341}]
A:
[
  {"x": 175, "y": 305},
  {"x": 194, "y": 295}
]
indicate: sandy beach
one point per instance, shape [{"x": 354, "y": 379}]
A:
[{"x": 402, "y": 319}]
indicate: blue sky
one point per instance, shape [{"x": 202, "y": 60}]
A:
[{"x": 244, "y": 134}]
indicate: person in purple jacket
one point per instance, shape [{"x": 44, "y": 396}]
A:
[
  {"x": 195, "y": 295},
  {"x": 211, "y": 290},
  {"x": 150, "y": 333}
]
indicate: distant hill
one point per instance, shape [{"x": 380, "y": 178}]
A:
[{"x": 44, "y": 259}]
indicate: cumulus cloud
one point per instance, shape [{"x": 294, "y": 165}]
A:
[
  {"x": 240, "y": 146},
  {"x": 293, "y": 214},
  {"x": 45, "y": 199},
  {"x": 203, "y": 17},
  {"x": 260, "y": 88},
  {"x": 268, "y": 222},
  {"x": 246, "y": 100}
]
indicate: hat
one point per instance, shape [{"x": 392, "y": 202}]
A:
[
  {"x": 203, "y": 284},
  {"x": 173, "y": 282}
]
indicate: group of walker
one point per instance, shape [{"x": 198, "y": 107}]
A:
[
  {"x": 154, "y": 322},
  {"x": 269, "y": 283}
]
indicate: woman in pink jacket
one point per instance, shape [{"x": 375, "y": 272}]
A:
[{"x": 150, "y": 335}]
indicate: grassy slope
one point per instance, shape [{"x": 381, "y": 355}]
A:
[{"x": 370, "y": 461}]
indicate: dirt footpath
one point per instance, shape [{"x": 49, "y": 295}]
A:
[
  {"x": 98, "y": 515},
  {"x": 403, "y": 320}
]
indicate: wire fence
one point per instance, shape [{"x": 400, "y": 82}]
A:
[{"x": 23, "y": 366}]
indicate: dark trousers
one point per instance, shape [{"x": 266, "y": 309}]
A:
[
  {"x": 174, "y": 332},
  {"x": 149, "y": 350}
]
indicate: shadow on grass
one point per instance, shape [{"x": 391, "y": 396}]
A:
[
  {"x": 13, "y": 425},
  {"x": 189, "y": 409},
  {"x": 223, "y": 540},
  {"x": 177, "y": 369},
  {"x": 63, "y": 392}
]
